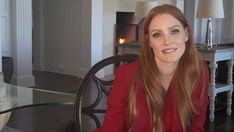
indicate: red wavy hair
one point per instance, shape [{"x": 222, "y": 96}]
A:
[{"x": 148, "y": 74}]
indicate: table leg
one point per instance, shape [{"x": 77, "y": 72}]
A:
[
  {"x": 212, "y": 93},
  {"x": 229, "y": 93}
]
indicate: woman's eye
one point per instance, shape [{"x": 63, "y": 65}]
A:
[
  {"x": 175, "y": 31},
  {"x": 156, "y": 35}
]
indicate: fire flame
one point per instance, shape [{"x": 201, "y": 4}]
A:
[{"x": 122, "y": 40}]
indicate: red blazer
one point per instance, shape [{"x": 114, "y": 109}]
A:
[{"x": 115, "y": 118}]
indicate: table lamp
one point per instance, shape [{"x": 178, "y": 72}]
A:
[
  {"x": 142, "y": 9},
  {"x": 210, "y": 9}
]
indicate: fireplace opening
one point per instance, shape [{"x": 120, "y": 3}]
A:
[{"x": 126, "y": 29}]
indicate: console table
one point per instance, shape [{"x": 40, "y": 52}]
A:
[
  {"x": 213, "y": 55},
  {"x": 222, "y": 52}
]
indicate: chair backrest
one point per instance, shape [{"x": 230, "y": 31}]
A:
[{"x": 90, "y": 103}]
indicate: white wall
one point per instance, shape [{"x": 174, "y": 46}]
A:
[
  {"x": 69, "y": 35},
  {"x": 227, "y": 27},
  {"x": 5, "y": 43},
  {"x": 85, "y": 43},
  {"x": 165, "y": 1},
  {"x": 37, "y": 38},
  {"x": 109, "y": 19},
  {"x": 57, "y": 36},
  {"x": 232, "y": 23},
  {"x": 110, "y": 7},
  {"x": 21, "y": 35},
  {"x": 5, "y": 27},
  {"x": 223, "y": 31},
  {"x": 97, "y": 31},
  {"x": 59, "y": 50}
]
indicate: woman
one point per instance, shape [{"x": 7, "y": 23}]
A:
[{"x": 167, "y": 89}]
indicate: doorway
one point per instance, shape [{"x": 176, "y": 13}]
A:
[{"x": 56, "y": 36}]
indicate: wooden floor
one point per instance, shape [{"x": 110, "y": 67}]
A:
[
  {"x": 222, "y": 123},
  {"x": 49, "y": 119}
]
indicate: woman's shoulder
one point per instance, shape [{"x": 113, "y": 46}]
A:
[
  {"x": 130, "y": 67},
  {"x": 128, "y": 71}
]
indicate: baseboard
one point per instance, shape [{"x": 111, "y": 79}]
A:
[
  {"x": 8, "y": 129},
  {"x": 27, "y": 81}
]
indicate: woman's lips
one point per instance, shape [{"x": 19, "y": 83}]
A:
[{"x": 169, "y": 50}]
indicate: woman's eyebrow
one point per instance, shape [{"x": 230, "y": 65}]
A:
[
  {"x": 159, "y": 30},
  {"x": 175, "y": 26},
  {"x": 155, "y": 30}
]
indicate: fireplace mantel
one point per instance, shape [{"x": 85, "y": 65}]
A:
[{"x": 130, "y": 48}]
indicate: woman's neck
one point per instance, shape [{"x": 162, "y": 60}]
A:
[
  {"x": 167, "y": 72},
  {"x": 167, "y": 69}
]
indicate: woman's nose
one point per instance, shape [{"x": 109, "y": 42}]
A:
[{"x": 167, "y": 39}]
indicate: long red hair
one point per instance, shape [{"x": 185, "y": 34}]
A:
[{"x": 148, "y": 74}]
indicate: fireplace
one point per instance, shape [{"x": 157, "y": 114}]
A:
[{"x": 126, "y": 30}]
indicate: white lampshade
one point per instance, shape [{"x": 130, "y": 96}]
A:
[
  {"x": 143, "y": 7},
  {"x": 210, "y": 9}
]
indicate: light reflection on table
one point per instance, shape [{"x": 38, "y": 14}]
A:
[{"x": 16, "y": 97}]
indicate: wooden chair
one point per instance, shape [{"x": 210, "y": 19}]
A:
[{"x": 90, "y": 103}]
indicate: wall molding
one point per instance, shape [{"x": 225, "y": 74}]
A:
[{"x": 22, "y": 41}]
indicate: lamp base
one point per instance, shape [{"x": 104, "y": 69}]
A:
[{"x": 209, "y": 34}]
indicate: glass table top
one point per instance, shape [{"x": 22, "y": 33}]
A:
[{"x": 14, "y": 97}]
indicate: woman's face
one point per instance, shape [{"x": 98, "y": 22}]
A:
[{"x": 167, "y": 38}]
